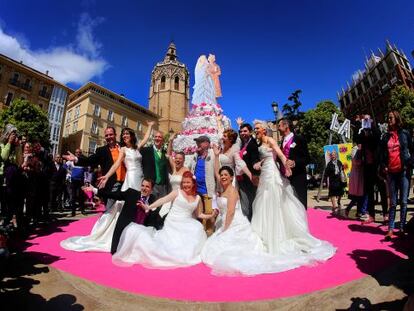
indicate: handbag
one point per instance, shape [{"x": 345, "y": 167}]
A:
[{"x": 343, "y": 177}]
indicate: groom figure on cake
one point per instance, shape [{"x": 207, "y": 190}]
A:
[{"x": 295, "y": 148}]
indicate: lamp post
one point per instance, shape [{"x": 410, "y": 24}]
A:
[{"x": 275, "y": 108}]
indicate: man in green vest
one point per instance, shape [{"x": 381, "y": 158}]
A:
[{"x": 155, "y": 165}]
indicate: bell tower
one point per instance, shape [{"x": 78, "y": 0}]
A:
[{"x": 169, "y": 91}]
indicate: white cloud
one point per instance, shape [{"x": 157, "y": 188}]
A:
[{"x": 67, "y": 64}]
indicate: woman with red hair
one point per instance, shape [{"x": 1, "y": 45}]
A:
[{"x": 178, "y": 243}]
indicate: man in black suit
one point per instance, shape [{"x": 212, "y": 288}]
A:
[
  {"x": 130, "y": 210},
  {"x": 249, "y": 152},
  {"x": 105, "y": 157},
  {"x": 57, "y": 176},
  {"x": 156, "y": 166},
  {"x": 295, "y": 148}
]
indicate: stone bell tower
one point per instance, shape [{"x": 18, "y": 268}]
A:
[{"x": 169, "y": 91}]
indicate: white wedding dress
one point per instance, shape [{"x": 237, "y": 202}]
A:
[
  {"x": 280, "y": 219},
  {"x": 177, "y": 244},
  {"x": 100, "y": 238},
  {"x": 239, "y": 250}
]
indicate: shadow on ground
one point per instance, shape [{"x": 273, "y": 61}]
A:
[{"x": 18, "y": 271}]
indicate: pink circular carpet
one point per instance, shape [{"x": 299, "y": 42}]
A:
[{"x": 361, "y": 251}]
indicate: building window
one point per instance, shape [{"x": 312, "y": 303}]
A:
[
  {"x": 52, "y": 112},
  {"x": 27, "y": 85},
  {"x": 97, "y": 111},
  {"x": 124, "y": 121},
  {"x": 94, "y": 128},
  {"x": 77, "y": 111},
  {"x": 55, "y": 136},
  {"x": 58, "y": 116},
  {"x": 110, "y": 115},
  {"x": 92, "y": 146},
  {"x": 381, "y": 70},
  {"x": 68, "y": 115},
  {"x": 176, "y": 83},
  {"x": 75, "y": 127},
  {"x": 162, "y": 82},
  {"x": 15, "y": 79},
  {"x": 139, "y": 126},
  {"x": 67, "y": 130},
  {"x": 374, "y": 78},
  {"x": 9, "y": 98}
]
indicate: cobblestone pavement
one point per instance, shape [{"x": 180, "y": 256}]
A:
[{"x": 28, "y": 284}]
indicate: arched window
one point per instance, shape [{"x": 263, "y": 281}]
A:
[
  {"x": 162, "y": 82},
  {"x": 176, "y": 83}
]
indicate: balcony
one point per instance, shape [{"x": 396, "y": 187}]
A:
[
  {"x": 14, "y": 82},
  {"x": 44, "y": 94},
  {"x": 26, "y": 87}
]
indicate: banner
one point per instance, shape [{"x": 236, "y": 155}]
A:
[{"x": 344, "y": 152}]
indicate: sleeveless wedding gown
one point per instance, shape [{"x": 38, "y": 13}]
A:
[
  {"x": 280, "y": 219},
  {"x": 100, "y": 238},
  {"x": 177, "y": 244},
  {"x": 239, "y": 250}
]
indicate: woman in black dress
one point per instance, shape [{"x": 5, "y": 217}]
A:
[{"x": 336, "y": 175}]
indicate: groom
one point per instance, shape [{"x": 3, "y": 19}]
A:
[
  {"x": 249, "y": 152},
  {"x": 131, "y": 212},
  {"x": 295, "y": 148}
]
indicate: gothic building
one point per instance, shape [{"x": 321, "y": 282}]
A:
[
  {"x": 370, "y": 89},
  {"x": 169, "y": 91}
]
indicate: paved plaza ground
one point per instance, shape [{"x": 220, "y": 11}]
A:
[{"x": 29, "y": 283}]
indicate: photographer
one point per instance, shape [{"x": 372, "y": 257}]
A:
[{"x": 11, "y": 155}]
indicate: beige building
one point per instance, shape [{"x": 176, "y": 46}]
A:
[
  {"x": 20, "y": 81},
  {"x": 169, "y": 91},
  {"x": 91, "y": 109}
]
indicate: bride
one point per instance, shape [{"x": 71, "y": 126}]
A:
[
  {"x": 100, "y": 238},
  {"x": 235, "y": 248},
  {"x": 278, "y": 216},
  {"x": 178, "y": 243}
]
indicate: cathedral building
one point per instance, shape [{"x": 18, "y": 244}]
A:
[{"x": 169, "y": 91}]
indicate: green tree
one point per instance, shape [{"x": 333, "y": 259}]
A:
[
  {"x": 315, "y": 127},
  {"x": 291, "y": 110},
  {"x": 402, "y": 100},
  {"x": 29, "y": 120}
]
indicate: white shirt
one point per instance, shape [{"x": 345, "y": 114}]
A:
[{"x": 286, "y": 139}]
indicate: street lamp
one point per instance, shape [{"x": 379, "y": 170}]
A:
[{"x": 275, "y": 108}]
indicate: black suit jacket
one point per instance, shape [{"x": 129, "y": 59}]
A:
[
  {"x": 148, "y": 164},
  {"x": 251, "y": 156},
  {"x": 299, "y": 154},
  {"x": 128, "y": 212},
  {"x": 102, "y": 157},
  {"x": 57, "y": 176}
]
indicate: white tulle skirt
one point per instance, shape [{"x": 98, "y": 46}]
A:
[{"x": 100, "y": 238}]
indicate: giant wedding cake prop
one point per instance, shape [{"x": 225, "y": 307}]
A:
[{"x": 202, "y": 118}]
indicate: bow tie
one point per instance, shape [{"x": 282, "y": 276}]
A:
[{"x": 143, "y": 199}]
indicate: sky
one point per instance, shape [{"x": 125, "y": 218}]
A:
[{"x": 266, "y": 49}]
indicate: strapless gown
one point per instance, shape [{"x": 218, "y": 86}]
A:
[
  {"x": 280, "y": 219},
  {"x": 177, "y": 244}
]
